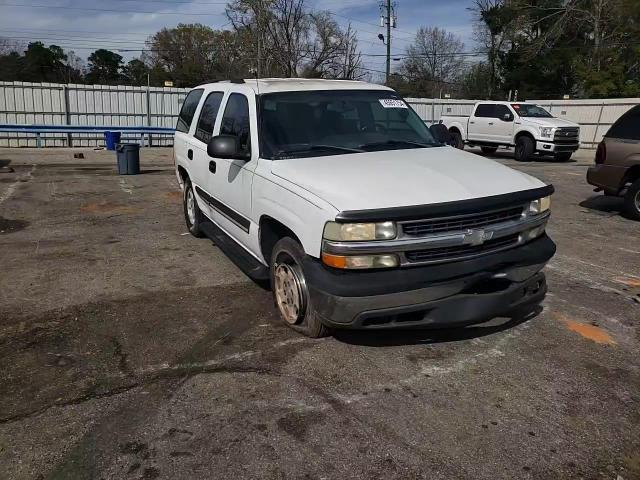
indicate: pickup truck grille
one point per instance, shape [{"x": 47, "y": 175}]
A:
[
  {"x": 462, "y": 251},
  {"x": 568, "y": 135},
  {"x": 441, "y": 225}
]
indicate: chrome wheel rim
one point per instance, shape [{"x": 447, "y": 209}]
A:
[
  {"x": 191, "y": 207},
  {"x": 290, "y": 292}
]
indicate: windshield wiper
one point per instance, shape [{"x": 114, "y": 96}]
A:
[
  {"x": 397, "y": 142},
  {"x": 313, "y": 147}
]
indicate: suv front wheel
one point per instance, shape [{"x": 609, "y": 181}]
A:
[
  {"x": 632, "y": 200},
  {"x": 290, "y": 292}
]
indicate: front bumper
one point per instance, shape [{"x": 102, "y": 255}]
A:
[
  {"x": 552, "y": 147},
  {"x": 454, "y": 294}
]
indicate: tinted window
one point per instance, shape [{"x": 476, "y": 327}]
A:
[
  {"x": 485, "y": 110},
  {"x": 628, "y": 126},
  {"x": 530, "y": 110},
  {"x": 501, "y": 110},
  {"x": 188, "y": 110},
  {"x": 208, "y": 115},
  {"x": 236, "y": 120}
]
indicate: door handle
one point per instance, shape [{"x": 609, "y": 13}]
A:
[
  {"x": 472, "y": 123},
  {"x": 190, "y": 154},
  {"x": 212, "y": 166},
  {"x": 490, "y": 123}
]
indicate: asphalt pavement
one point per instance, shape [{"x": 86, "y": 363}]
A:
[{"x": 130, "y": 349}]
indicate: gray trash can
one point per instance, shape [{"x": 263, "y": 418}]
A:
[{"x": 128, "y": 158}]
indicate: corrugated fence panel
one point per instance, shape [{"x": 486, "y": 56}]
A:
[{"x": 45, "y": 103}]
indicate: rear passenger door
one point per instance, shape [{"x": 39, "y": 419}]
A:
[
  {"x": 202, "y": 164},
  {"x": 182, "y": 148},
  {"x": 481, "y": 122}
]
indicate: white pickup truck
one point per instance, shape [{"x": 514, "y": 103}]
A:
[
  {"x": 338, "y": 195},
  {"x": 525, "y": 126}
]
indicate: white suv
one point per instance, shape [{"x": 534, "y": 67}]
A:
[{"x": 339, "y": 195}]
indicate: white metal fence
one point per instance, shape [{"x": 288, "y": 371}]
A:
[{"x": 74, "y": 104}]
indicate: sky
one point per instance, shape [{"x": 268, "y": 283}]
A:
[{"x": 124, "y": 25}]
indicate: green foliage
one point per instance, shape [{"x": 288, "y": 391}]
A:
[{"x": 104, "y": 67}]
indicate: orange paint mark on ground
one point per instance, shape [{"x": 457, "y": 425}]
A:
[
  {"x": 590, "y": 332},
  {"x": 108, "y": 207},
  {"x": 174, "y": 196},
  {"x": 629, "y": 282}
]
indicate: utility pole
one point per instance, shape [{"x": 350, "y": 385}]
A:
[{"x": 388, "y": 18}]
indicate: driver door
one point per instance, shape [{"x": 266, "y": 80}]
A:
[{"x": 230, "y": 180}]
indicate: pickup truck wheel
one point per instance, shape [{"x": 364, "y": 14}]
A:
[
  {"x": 524, "y": 148},
  {"x": 488, "y": 150},
  {"x": 562, "y": 156},
  {"x": 456, "y": 140},
  {"x": 290, "y": 292},
  {"x": 192, "y": 214},
  {"x": 632, "y": 200}
]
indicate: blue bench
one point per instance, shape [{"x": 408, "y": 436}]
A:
[{"x": 38, "y": 130}]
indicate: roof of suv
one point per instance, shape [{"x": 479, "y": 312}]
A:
[{"x": 270, "y": 85}]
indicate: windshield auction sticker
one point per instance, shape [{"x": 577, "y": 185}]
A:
[{"x": 392, "y": 103}]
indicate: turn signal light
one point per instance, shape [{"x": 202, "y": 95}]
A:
[{"x": 360, "y": 261}]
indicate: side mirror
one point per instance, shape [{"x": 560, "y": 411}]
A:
[
  {"x": 507, "y": 117},
  {"x": 226, "y": 146}
]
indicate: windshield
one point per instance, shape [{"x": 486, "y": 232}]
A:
[
  {"x": 314, "y": 123},
  {"x": 530, "y": 110}
]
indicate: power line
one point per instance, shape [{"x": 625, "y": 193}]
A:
[{"x": 63, "y": 7}]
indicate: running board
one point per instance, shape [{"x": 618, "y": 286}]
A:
[{"x": 238, "y": 255}]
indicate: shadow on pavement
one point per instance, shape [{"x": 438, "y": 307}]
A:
[
  {"x": 604, "y": 204},
  {"x": 390, "y": 338}
]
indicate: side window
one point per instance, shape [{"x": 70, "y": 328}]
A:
[
  {"x": 628, "y": 126},
  {"x": 235, "y": 120},
  {"x": 501, "y": 110},
  {"x": 485, "y": 110},
  {"x": 188, "y": 110},
  {"x": 208, "y": 115}
]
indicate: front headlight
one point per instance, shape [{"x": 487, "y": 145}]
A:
[
  {"x": 359, "y": 232},
  {"x": 357, "y": 262},
  {"x": 540, "y": 205},
  {"x": 546, "y": 132}
]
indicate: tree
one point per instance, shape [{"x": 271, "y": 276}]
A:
[
  {"x": 104, "y": 67},
  {"x": 136, "y": 72},
  {"x": 475, "y": 81},
  {"x": 43, "y": 64},
  {"x": 434, "y": 62}
]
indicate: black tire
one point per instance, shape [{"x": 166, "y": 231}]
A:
[
  {"x": 562, "y": 156},
  {"x": 489, "y": 150},
  {"x": 193, "y": 224},
  {"x": 632, "y": 200},
  {"x": 524, "y": 148},
  {"x": 286, "y": 262},
  {"x": 456, "y": 140}
]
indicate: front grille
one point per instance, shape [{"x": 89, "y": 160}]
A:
[
  {"x": 479, "y": 220},
  {"x": 567, "y": 135},
  {"x": 461, "y": 251}
]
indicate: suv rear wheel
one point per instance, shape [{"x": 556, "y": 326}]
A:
[
  {"x": 632, "y": 200},
  {"x": 192, "y": 214},
  {"x": 290, "y": 292}
]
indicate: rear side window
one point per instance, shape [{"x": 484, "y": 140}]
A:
[
  {"x": 236, "y": 120},
  {"x": 485, "y": 110},
  {"x": 208, "y": 115},
  {"x": 628, "y": 126},
  {"x": 188, "y": 110}
]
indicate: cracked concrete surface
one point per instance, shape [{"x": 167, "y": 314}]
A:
[{"x": 131, "y": 350}]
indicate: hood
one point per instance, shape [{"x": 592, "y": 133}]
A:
[
  {"x": 399, "y": 178},
  {"x": 550, "y": 122}
]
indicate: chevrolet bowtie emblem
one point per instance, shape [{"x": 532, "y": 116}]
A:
[{"x": 477, "y": 236}]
